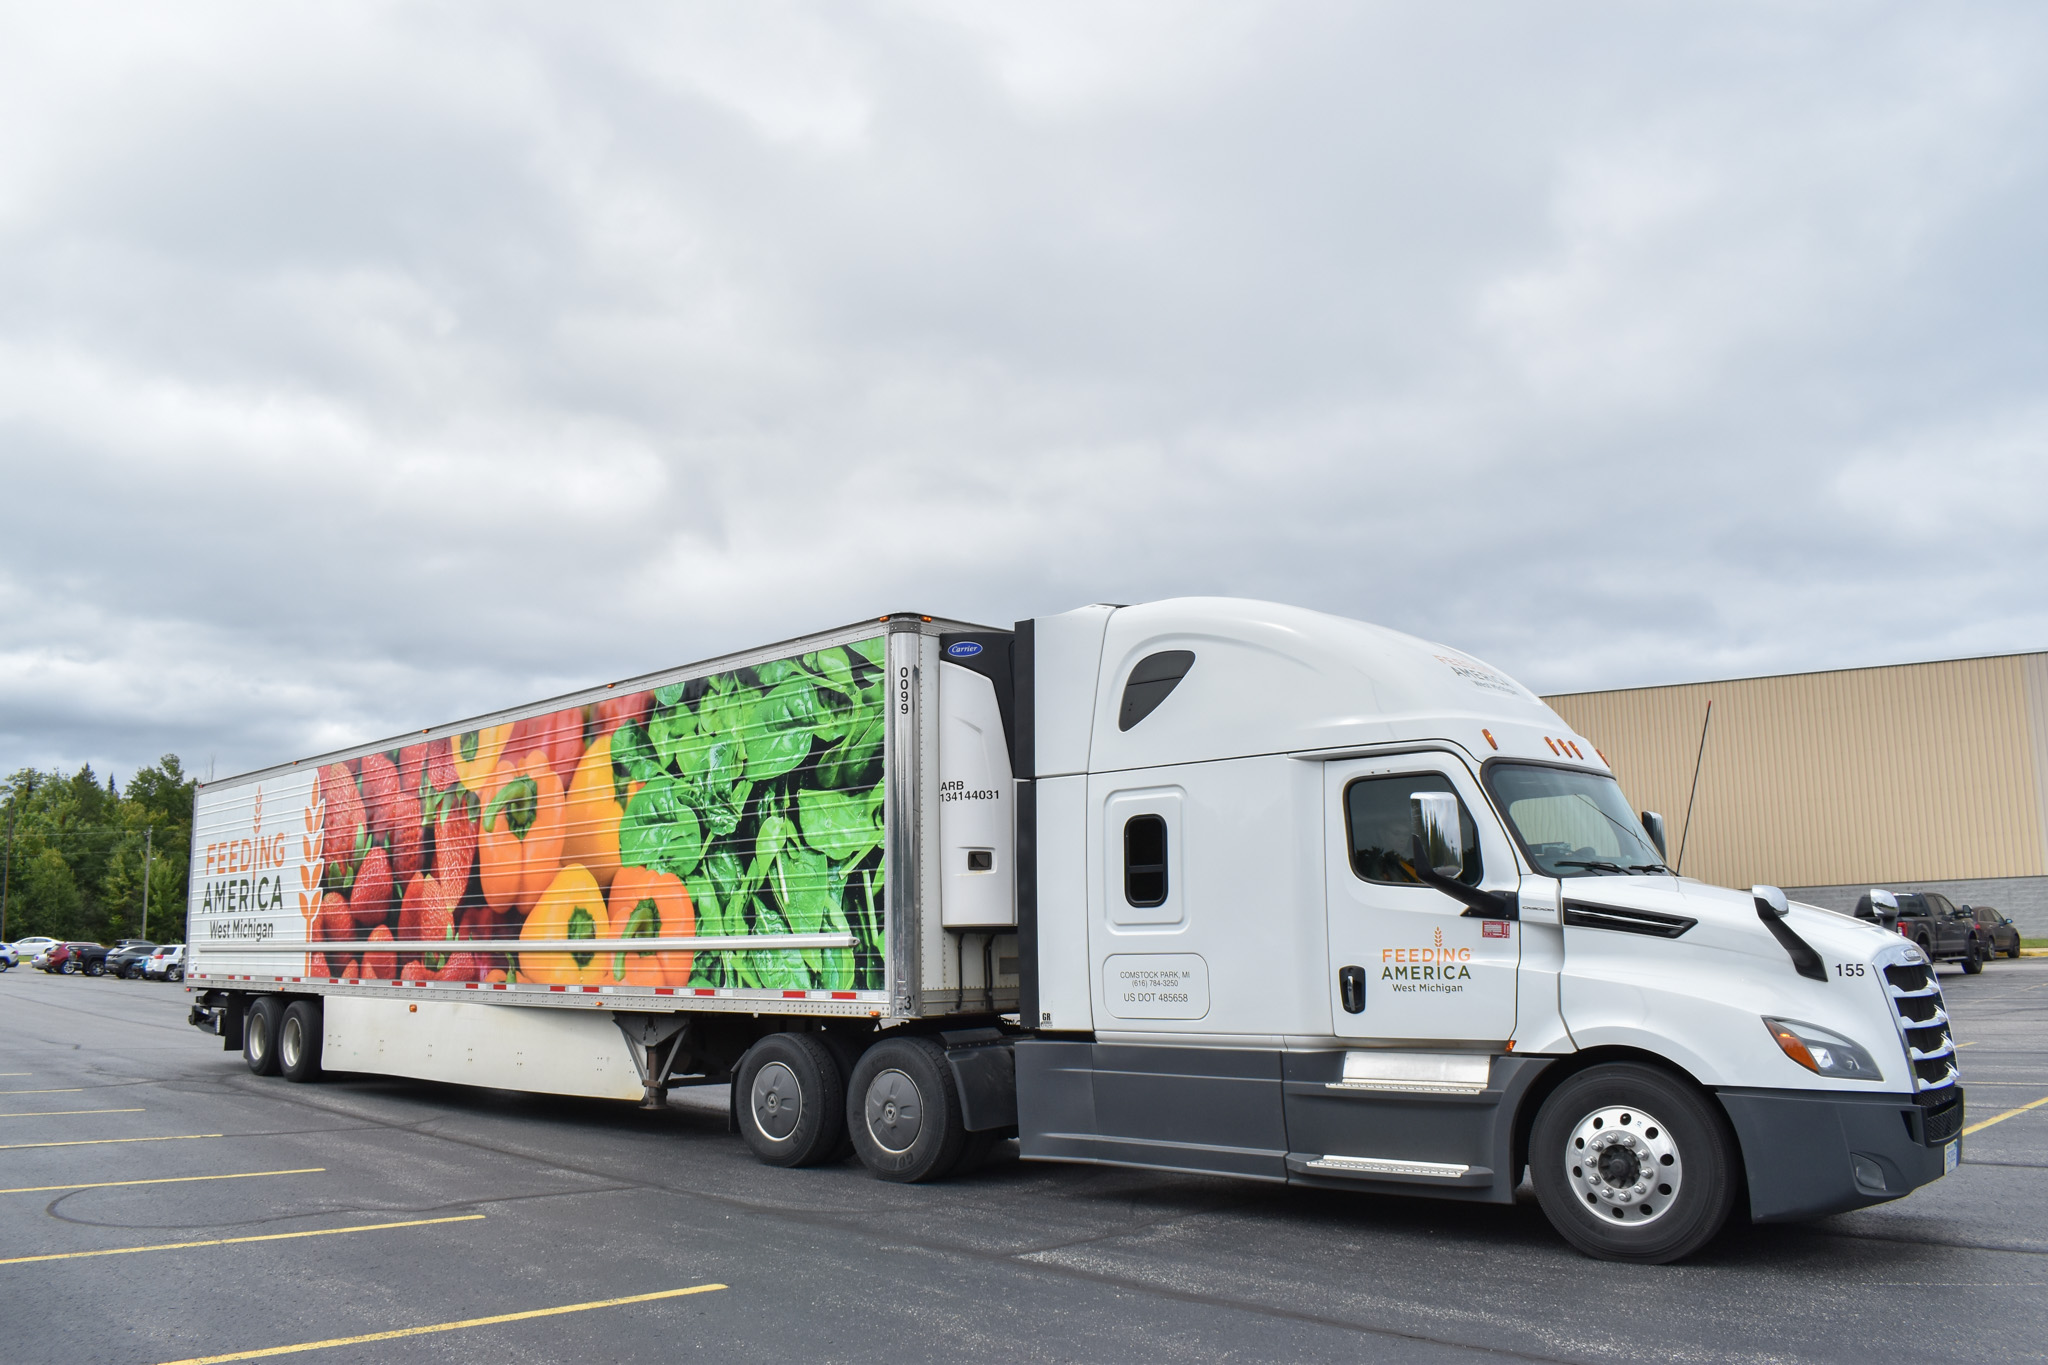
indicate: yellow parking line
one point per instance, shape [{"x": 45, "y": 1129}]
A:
[
  {"x": 60, "y": 1113},
  {"x": 68, "y": 1090},
  {"x": 228, "y": 1241},
  {"x": 17, "y": 1074},
  {"x": 160, "y": 1180},
  {"x": 449, "y": 1326},
  {"x": 90, "y": 1142},
  {"x": 2001, "y": 1118}
]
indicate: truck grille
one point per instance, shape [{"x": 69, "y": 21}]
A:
[{"x": 1923, "y": 1023}]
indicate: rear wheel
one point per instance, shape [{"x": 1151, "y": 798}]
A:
[
  {"x": 1631, "y": 1163},
  {"x": 904, "y": 1111},
  {"x": 791, "y": 1100},
  {"x": 70, "y": 967},
  {"x": 298, "y": 1041},
  {"x": 259, "y": 1034},
  {"x": 175, "y": 974}
]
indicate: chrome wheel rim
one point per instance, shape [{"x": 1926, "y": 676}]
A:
[
  {"x": 1623, "y": 1163},
  {"x": 291, "y": 1044},
  {"x": 778, "y": 1101},
  {"x": 895, "y": 1111},
  {"x": 259, "y": 1037}
]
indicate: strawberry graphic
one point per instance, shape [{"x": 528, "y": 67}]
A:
[
  {"x": 379, "y": 966},
  {"x": 408, "y": 838},
  {"x": 374, "y": 888},
  {"x": 415, "y": 971},
  {"x": 455, "y": 839},
  {"x": 347, "y": 830},
  {"x": 461, "y": 967},
  {"x": 380, "y": 789}
]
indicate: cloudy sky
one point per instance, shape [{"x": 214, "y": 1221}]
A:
[{"x": 364, "y": 366}]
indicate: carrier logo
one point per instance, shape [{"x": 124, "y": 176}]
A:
[
  {"x": 963, "y": 649},
  {"x": 1435, "y": 969}
]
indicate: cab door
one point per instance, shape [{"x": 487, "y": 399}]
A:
[{"x": 1406, "y": 960}]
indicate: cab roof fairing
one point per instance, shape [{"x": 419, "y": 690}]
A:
[{"x": 1269, "y": 678}]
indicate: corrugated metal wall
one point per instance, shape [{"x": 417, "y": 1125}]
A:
[{"x": 1920, "y": 772}]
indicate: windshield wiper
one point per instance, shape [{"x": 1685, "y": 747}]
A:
[
  {"x": 1650, "y": 867},
  {"x": 1615, "y": 868}
]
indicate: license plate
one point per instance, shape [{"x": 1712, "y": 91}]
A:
[{"x": 1952, "y": 1156}]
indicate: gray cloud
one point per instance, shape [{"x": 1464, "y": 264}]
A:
[{"x": 366, "y": 367}]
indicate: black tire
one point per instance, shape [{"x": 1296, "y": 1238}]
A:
[
  {"x": 259, "y": 1034},
  {"x": 70, "y": 967},
  {"x": 1974, "y": 959},
  {"x": 2013, "y": 951},
  {"x": 1612, "y": 1211},
  {"x": 790, "y": 1097},
  {"x": 96, "y": 968},
  {"x": 298, "y": 1041},
  {"x": 904, "y": 1111},
  {"x": 175, "y": 974}
]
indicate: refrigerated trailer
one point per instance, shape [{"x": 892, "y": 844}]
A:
[{"x": 1202, "y": 885}]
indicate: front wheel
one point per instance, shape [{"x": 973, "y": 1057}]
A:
[
  {"x": 2013, "y": 951},
  {"x": 1631, "y": 1163},
  {"x": 1973, "y": 960}
]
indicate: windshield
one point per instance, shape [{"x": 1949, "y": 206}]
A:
[{"x": 1573, "y": 824}]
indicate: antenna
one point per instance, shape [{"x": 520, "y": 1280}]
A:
[{"x": 1700, "y": 758}]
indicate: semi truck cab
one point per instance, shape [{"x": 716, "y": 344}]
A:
[{"x": 1319, "y": 903}]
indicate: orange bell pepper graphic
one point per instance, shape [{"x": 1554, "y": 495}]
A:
[
  {"x": 649, "y": 904},
  {"x": 520, "y": 847}
]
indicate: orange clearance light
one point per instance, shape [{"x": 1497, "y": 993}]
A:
[
  {"x": 1552, "y": 743},
  {"x": 1603, "y": 757},
  {"x": 1794, "y": 1047},
  {"x": 1491, "y": 742}
]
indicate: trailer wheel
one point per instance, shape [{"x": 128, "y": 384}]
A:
[
  {"x": 791, "y": 1098},
  {"x": 259, "y": 1034},
  {"x": 1632, "y": 1164},
  {"x": 904, "y": 1111},
  {"x": 298, "y": 1041}
]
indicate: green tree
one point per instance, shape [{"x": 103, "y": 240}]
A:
[{"x": 75, "y": 866}]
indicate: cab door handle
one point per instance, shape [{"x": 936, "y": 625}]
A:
[{"x": 1351, "y": 989}]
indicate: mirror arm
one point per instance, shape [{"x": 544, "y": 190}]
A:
[
  {"x": 1805, "y": 960},
  {"x": 1478, "y": 904}
]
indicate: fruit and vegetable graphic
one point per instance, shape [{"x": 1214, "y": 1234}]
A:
[{"x": 741, "y": 804}]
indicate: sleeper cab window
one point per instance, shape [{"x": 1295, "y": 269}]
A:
[
  {"x": 1151, "y": 680},
  {"x": 1381, "y": 825},
  {"x": 1145, "y": 860}
]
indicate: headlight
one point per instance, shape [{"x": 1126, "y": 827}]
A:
[{"x": 1822, "y": 1051}]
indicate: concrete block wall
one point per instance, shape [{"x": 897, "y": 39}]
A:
[{"x": 2023, "y": 899}]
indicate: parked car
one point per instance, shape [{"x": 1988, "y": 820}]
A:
[
  {"x": 9, "y": 956},
  {"x": 67, "y": 959},
  {"x": 166, "y": 963},
  {"x": 2000, "y": 934},
  {"x": 27, "y": 948},
  {"x": 1943, "y": 932},
  {"x": 125, "y": 959},
  {"x": 93, "y": 957}
]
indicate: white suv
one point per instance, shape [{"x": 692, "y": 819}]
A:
[{"x": 166, "y": 963}]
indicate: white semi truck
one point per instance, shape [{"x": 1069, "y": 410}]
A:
[{"x": 1202, "y": 885}]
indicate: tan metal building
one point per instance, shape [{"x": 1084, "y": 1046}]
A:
[{"x": 1913, "y": 776}]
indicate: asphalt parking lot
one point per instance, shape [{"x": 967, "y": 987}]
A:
[{"x": 158, "y": 1203}]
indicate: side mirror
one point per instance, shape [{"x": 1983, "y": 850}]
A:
[
  {"x": 1774, "y": 898},
  {"x": 1653, "y": 825},
  {"x": 1439, "y": 834},
  {"x": 1885, "y": 906}
]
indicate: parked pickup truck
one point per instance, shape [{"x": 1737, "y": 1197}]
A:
[{"x": 1943, "y": 932}]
